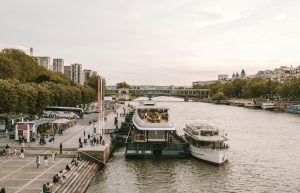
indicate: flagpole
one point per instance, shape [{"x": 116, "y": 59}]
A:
[
  {"x": 101, "y": 98},
  {"x": 99, "y": 107}
]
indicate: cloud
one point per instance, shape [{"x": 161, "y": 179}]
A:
[{"x": 216, "y": 16}]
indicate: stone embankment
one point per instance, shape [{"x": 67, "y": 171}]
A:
[{"x": 77, "y": 179}]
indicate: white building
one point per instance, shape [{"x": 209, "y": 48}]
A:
[
  {"x": 58, "y": 65},
  {"x": 87, "y": 74},
  {"x": 77, "y": 75},
  {"x": 45, "y": 61},
  {"x": 223, "y": 77}
]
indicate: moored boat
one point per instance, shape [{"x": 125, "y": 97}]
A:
[
  {"x": 293, "y": 109},
  {"x": 252, "y": 106},
  {"x": 268, "y": 106},
  {"x": 153, "y": 135},
  {"x": 206, "y": 143}
]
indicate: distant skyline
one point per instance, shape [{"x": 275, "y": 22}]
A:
[{"x": 166, "y": 42}]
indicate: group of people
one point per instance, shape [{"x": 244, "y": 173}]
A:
[
  {"x": 93, "y": 140},
  {"x": 38, "y": 160},
  {"x": 7, "y": 151},
  {"x": 46, "y": 188}
]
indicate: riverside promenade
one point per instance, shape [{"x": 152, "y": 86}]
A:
[{"x": 22, "y": 175}]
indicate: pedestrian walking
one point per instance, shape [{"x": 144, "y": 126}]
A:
[
  {"x": 38, "y": 161},
  {"x": 46, "y": 161},
  {"x": 89, "y": 136},
  {"x": 15, "y": 152},
  {"x": 22, "y": 153},
  {"x": 23, "y": 146},
  {"x": 79, "y": 140},
  {"x": 53, "y": 156},
  {"x": 84, "y": 133},
  {"x": 7, "y": 150},
  {"x": 53, "y": 139}
]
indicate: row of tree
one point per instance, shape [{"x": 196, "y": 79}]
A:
[
  {"x": 255, "y": 88},
  {"x": 27, "y": 87},
  {"x": 32, "y": 98}
]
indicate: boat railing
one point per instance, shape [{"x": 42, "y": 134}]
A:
[
  {"x": 224, "y": 147},
  {"x": 149, "y": 146}
]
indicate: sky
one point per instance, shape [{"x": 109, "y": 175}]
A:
[{"x": 157, "y": 42}]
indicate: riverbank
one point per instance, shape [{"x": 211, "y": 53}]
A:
[
  {"x": 280, "y": 105},
  {"x": 22, "y": 175}
]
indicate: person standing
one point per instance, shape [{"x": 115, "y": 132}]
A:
[
  {"x": 22, "y": 153},
  {"x": 60, "y": 148},
  {"x": 38, "y": 161},
  {"x": 94, "y": 140},
  {"x": 84, "y": 133},
  {"x": 53, "y": 139},
  {"x": 97, "y": 141},
  {"x": 46, "y": 161},
  {"x": 89, "y": 136},
  {"x": 53, "y": 156},
  {"x": 15, "y": 152}
]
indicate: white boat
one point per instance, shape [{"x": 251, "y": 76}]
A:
[
  {"x": 206, "y": 143},
  {"x": 268, "y": 106}
]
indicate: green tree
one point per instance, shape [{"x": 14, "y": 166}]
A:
[
  {"x": 122, "y": 85},
  {"x": 218, "y": 97}
]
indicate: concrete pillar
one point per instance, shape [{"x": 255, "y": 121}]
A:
[
  {"x": 16, "y": 133},
  {"x": 28, "y": 133}
]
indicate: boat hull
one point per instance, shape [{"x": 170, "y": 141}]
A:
[{"x": 217, "y": 157}]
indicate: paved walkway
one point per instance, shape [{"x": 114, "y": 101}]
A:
[
  {"x": 22, "y": 175},
  {"x": 18, "y": 175}
]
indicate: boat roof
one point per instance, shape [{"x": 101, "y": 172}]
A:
[
  {"x": 202, "y": 127},
  {"x": 143, "y": 125},
  {"x": 196, "y": 127}
]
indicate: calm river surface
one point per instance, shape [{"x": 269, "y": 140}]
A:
[{"x": 264, "y": 155}]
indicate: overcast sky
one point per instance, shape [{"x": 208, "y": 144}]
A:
[{"x": 162, "y": 42}]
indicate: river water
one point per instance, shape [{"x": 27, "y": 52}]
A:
[{"x": 264, "y": 155}]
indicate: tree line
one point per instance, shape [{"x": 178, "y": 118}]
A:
[
  {"x": 27, "y": 87},
  {"x": 254, "y": 88}
]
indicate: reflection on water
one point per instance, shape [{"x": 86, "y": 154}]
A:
[{"x": 264, "y": 156}]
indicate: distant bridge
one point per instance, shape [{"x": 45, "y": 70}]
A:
[{"x": 184, "y": 93}]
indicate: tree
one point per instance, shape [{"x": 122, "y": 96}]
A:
[
  {"x": 218, "y": 97},
  {"x": 122, "y": 85},
  {"x": 228, "y": 90}
]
